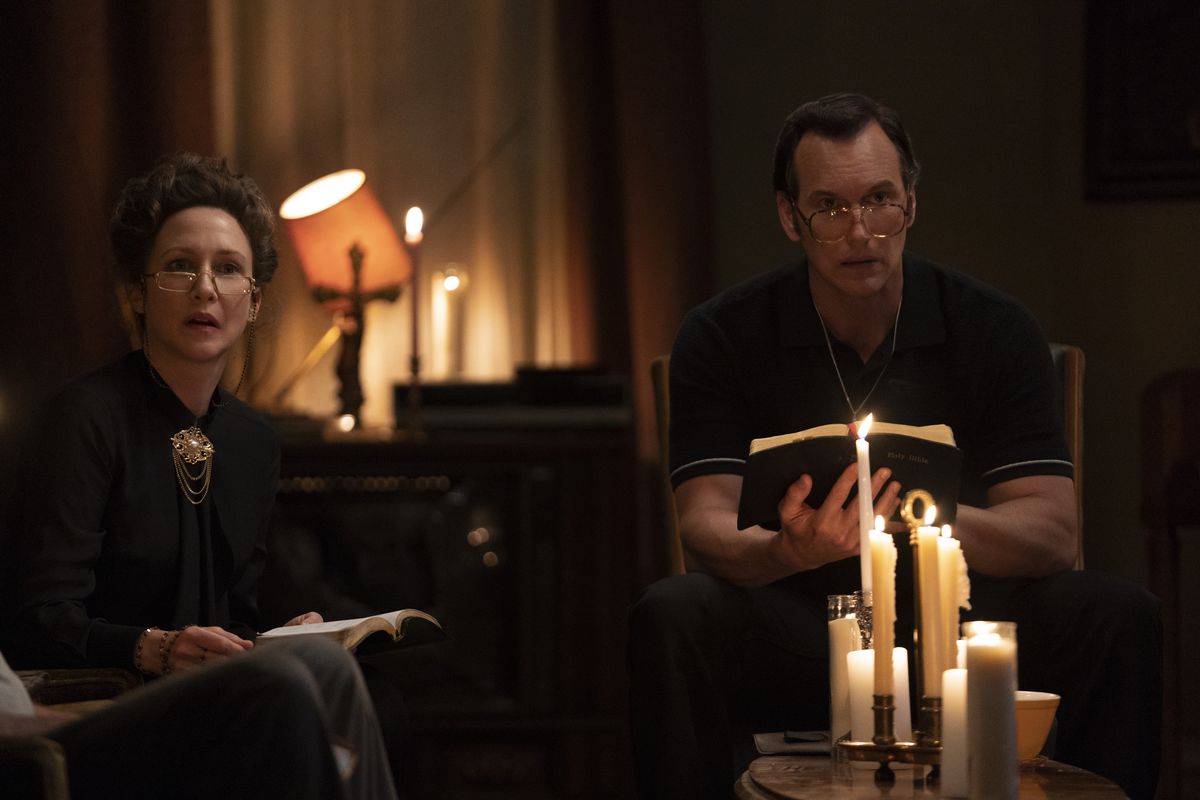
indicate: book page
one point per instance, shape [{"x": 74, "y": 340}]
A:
[
  {"x": 332, "y": 626},
  {"x": 932, "y": 433},
  {"x": 381, "y": 622},
  {"x": 833, "y": 429}
]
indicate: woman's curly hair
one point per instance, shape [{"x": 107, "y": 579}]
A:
[{"x": 182, "y": 181}]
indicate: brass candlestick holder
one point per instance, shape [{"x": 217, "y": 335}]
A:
[{"x": 883, "y": 747}]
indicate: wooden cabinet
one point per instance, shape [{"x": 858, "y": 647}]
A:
[{"x": 520, "y": 541}]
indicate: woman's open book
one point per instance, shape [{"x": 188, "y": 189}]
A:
[
  {"x": 405, "y": 627},
  {"x": 924, "y": 457}
]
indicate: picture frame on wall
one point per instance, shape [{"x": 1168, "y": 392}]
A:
[{"x": 1142, "y": 100}]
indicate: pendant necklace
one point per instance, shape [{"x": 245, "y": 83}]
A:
[
  {"x": 190, "y": 447},
  {"x": 829, "y": 346}
]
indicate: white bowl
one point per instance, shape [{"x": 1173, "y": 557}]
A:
[{"x": 1035, "y": 715}]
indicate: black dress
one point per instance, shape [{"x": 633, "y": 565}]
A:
[{"x": 109, "y": 545}]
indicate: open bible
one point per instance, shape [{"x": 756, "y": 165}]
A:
[
  {"x": 920, "y": 457},
  {"x": 405, "y": 627}
]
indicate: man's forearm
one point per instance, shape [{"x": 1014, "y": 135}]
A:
[
  {"x": 1029, "y": 530},
  {"x": 746, "y": 558}
]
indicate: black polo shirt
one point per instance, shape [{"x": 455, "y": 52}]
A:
[{"x": 753, "y": 362}]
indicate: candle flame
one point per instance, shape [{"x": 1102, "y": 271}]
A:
[
  {"x": 878, "y": 522},
  {"x": 865, "y": 426},
  {"x": 413, "y": 221},
  {"x": 930, "y": 514},
  {"x": 946, "y": 532}
]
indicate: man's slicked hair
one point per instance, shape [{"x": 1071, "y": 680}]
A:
[{"x": 840, "y": 117}]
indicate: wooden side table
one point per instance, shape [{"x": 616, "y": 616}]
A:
[{"x": 813, "y": 778}]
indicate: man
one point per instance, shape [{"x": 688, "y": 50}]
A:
[
  {"x": 291, "y": 719},
  {"x": 739, "y": 644}
]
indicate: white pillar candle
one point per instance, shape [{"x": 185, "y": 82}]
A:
[
  {"x": 865, "y": 513},
  {"x": 844, "y": 638},
  {"x": 954, "y": 733},
  {"x": 860, "y": 666},
  {"x": 860, "y": 673},
  {"x": 960, "y": 654},
  {"x": 991, "y": 711},
  {"x": 902, "y": 722}
]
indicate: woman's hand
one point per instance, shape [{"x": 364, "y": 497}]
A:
[
  {"x": 307, "y": 618},
  {"x": 186, "y": 648},
  {"x": 195, "y": 646}
]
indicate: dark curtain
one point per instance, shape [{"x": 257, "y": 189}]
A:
[
  {"x": 92, "y": 93},
  {"x": 640, "y": 249}
]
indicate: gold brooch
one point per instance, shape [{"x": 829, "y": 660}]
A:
[{"x": 191, "y": 446}]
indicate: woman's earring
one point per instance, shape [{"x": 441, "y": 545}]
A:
[{"x": 249, "y": 349}]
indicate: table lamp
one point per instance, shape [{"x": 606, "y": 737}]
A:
[{"x": 351, "y": 255}]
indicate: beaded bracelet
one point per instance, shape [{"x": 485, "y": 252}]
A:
[
  {"x": 164, "y": 651},
  {"x": 138, "y": 664},
  {"x": 169, "y": 648}
]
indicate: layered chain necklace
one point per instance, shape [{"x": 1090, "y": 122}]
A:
[
  {"x": 190, "y": 448},
  {"x": 829, "y": 346}
]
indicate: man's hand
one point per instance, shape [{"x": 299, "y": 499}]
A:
[
  {"x": 812, "y": 537},
  {"x": 307, "y": 618},
  {"x": 707, "y": 507}
]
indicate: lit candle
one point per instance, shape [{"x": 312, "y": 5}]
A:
[
  {"x": 414, "y": 220},
  {"x": 950, "y": 569},
  {"x": 991, "y": 710},
  {"x": 865, "y": 495},
  {"x": 844, "y": 638},
  {"x": 883, "y": 568},
  {"x": 933, "y": 652},
  {"x": 954, "y": 733}
]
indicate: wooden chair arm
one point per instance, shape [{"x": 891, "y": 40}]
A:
[
  {"x": 54, "y": 686},
  {"x": 33, "y": 767}
]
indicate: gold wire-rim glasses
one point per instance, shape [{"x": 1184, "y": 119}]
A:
[
  {"x": 228, "y": 284},
  {"x": 866, "y": 213}
]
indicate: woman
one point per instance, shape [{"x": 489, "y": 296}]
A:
[
  {"x": 144, "y": 519},
  {"x": 144, "y": 528}
]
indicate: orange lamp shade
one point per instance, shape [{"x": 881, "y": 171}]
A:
[{"x": 327, "y": 217}]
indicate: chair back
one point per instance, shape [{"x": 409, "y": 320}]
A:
[
  {"x": 672, "y": 546},
  {"x": 1068, "y": 366},
  {"x": 1068, "y": 363}
]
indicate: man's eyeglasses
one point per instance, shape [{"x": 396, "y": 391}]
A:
[
  {"x": 832, "y": 224},
  {"x": 229, "y": 283}
]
